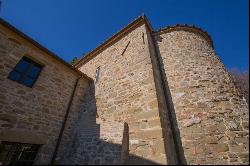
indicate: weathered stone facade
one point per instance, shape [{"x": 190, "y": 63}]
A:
[
  {"x": 152, "y": 98},
  {"x": 126, "y": 92},
  {"x": 212, "y": 117},
  {"x": 34, "y": 115}
]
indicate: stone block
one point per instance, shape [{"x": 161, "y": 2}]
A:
[
  {"x": 191, "y": 122},
  {"x": 237, "y": 148},
  {"x": 8, "y": 118},
  {"x": 148, "y": 114},
  {"x": 147, "y": 134},
  {"x": 222, "y": 147},
  {"x": 154, "y": 123},
  {"x": 158, "y": 145},
  {"x": 211, "y": 140}
]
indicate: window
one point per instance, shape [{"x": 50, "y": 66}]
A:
[
  {"x": 26, "y": 72},
  {"x": 17, "y": 153}
]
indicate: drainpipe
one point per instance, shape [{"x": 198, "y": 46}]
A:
[
  {"x": 167, "y": 100},
  {"x": 64, "y": 122}
]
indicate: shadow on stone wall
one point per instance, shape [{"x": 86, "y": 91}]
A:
[
  {"x": 170, "y": 111},
  {"x": 85, "y": 147}
]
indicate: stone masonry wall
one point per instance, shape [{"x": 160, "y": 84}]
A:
[
  {"x": 33, "y": 115},
  {"x": 167, "y": 144},
  {"x": 212, "y": 117},
  {"x": 126, "y": 92},
  {"x": 81, "y": 143},
  {"x": 80, "y": 121}
]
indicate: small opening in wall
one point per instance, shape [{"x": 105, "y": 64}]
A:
[
  {"x": 143, "y": 38},
  {"x": 97, "y": 75}
]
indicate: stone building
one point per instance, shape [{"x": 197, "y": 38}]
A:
[{"x": 147, "y": 97}]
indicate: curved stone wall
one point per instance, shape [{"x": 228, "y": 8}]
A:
[{"x": 212, "y": 117}]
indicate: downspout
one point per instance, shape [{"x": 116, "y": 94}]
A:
[
  {"x": 64, "y": 122},
  {"x": 167, "y": 100}
]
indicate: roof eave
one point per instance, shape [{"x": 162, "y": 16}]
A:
[
  {"x": 44, "y": 49},
  {"x": 190, "y": 28},
  {"x": 138, "y": 21}
]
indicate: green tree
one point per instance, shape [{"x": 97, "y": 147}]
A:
[{"x": 74, "y": 60}]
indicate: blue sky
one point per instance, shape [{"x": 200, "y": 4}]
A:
[{"x": 71, "y": 28}]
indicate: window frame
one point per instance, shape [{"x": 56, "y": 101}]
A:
[
  {"x": 27, "y": 71},
  {"x": 19, "y": 148}
]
